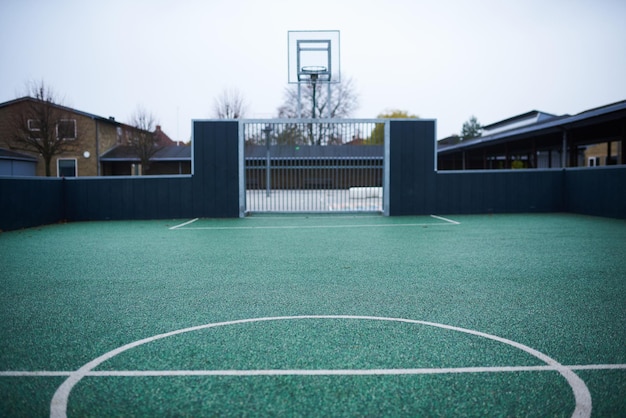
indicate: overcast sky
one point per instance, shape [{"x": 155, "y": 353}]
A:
[{"x": 440, "y": 59}]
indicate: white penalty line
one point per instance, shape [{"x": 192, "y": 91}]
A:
[
  {"x": 441, "y": 218},
  {"x": 222, "y": 228},
  {"x": 183, "y": 224},
  {"x": 305, "y": 372},
  {"x": 446, "y": 221}
]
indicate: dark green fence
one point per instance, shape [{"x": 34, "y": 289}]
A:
[
  {"x": 30, "y": 201},
  {"x": 415, "y": 188},
  {"x": 599, "y": 191}
]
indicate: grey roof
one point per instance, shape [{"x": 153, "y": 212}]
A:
[
  {"x": 291, "y": 152},
  {"x": 541, "y": 116},
  {"x": 556, "y": 124},
  {"x": 167, "y": 153},
  {"x": 6, "y": 154},
  {"x": 65, "y": 108}
]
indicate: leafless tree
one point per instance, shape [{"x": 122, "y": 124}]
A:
[
  {"x": 142, "y": 139},
  {"x": 230, "y": 104},
  {"x": 344, "y": 100},
  {"x": 42, "y": 125}
]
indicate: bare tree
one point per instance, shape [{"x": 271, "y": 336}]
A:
[
  {"x": 142, "y": 139},
  {"x": 344, "y": 100},
  {"x": 43, "y": 126},
  {"x": 230, "y": 104}
]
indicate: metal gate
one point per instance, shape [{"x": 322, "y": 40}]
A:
[{"x": 313, "y": 165}]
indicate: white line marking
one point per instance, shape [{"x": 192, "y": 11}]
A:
[
  {"x": 323, "y": 372},
  {"x": 183, "y": 224},
  {"x": 262, "y": 217},
  {"x": 599, "y": 367},
  {"x": 445, "y": 219},
  {"x": 313, "y": 226},
  {"x": 42, "y": 373},
  {"x": 58, "y": 405},
  {"x": 308, "y": 372},
  {"x": 318, "y": 372}
]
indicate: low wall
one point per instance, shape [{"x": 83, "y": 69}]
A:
[
  {"x": 510, "y": 191},
  {"x": 415, "y": 188},
  {"x": 599, "y": 191},
  {"x": 118, "y": 198},
  {"x": 30, "y": 201}
]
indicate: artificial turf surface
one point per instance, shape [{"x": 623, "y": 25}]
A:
[{"x": 556, "y": 283}]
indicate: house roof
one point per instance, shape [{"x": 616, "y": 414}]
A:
[
  {"x": 167, "y": 153},
  {"x": 292, "y": 152},
  {"x": 110, "y": 119},
  {"x": 6, "y": 154},
  {"x": 162, "y": 138},
  {"x": 546, "y": 126},
  {"x": 535, "y": 115}
]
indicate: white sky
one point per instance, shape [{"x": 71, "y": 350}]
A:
[{"x": 439, "y": 59}]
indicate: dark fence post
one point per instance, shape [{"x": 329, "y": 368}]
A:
[
  {"x": 412, "y": 177},
  {"x": 216, "y": 169}
]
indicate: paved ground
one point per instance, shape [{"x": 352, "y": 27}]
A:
[{"x": 313, "y": 201}]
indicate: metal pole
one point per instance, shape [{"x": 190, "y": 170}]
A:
[
  {"x": 313, "y": 81},
  {"x": 267, "y": 131},
  {"x": 299, "y": 101},
  {"x": 328, "y": 101}
]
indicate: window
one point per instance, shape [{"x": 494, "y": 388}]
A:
[
  {"x": 66, "y": 129},
  {"x": 593, "y": 161},
  {"x": 34, "y": 125},
  {"x": 66, "y": 167}
]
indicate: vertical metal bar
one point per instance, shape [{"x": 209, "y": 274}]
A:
[
  {"x": 329, "y": 115},
  {"x": 286, "y": 187},
  {"x": 281, "y": 188},
  {"x": 299, "y": 95},
  {"x": 267, "y": 161},
  {"x": 387, "y": 153},
  {"x": 241, "y": 170},
  {"x": 307, "y": 181},
  {"x": 293, "y": 188},
  {"x": 343, "y": 186},
  {"x": 316, "y": 176},
  {"x": 315, "y": 169}
]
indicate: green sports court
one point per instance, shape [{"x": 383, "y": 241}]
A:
[{"x": 316, "y": 315}]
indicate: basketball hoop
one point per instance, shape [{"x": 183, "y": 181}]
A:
[
  {"x": 313, "y": 59},
  {"x": 314, "y": 73}
]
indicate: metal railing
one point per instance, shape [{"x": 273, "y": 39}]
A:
[{"x": 313, "y": 165}]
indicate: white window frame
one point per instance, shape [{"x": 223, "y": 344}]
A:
[
  {"x": 66, "y": 120},
  {"x": 32, "y": 129},
  {"x": 67, "y": 159}
]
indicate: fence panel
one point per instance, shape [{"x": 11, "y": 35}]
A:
[{"x": 314, "y": 165}]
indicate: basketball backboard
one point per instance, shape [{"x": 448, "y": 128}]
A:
[{"x": 313, "y": 56}]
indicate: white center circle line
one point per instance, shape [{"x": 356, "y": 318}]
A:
[{"x": 58, "y": 405}]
